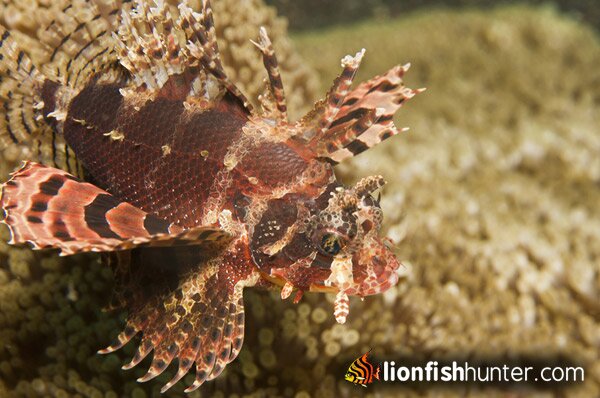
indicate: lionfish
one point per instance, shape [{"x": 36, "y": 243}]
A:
[{"x": 149, "y": 153}]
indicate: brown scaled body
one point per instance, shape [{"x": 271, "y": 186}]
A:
[{"x": 192, "y": 193}]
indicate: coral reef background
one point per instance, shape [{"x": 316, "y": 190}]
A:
[{"x": 493, "y": 197}]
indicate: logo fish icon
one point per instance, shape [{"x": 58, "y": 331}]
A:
[{"x": 361, "y": 371}]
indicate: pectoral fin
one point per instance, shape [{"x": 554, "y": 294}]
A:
[{"x": 49, "y": 208}]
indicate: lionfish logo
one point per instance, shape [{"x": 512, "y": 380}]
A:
[{"x": 361, "y": 372}]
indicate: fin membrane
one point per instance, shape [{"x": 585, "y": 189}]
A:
[
  {"x": 198, "y": 320},
  {"x": 154, "y": 43},
  {"x": 79, "y": 39},
  {"x": 49, "y": 208},
  {"x": 19, "y": 83}
]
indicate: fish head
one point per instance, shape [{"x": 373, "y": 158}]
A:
[
  {"x": 347, "y": 231},
  {"x": 350, "y": 377},
  {"x": 331, "y": 244}
]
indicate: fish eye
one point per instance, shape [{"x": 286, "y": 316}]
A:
[{"x": 330, "y": 244}]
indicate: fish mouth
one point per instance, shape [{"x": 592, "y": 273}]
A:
[
  {"x": 342, "y": 280},
  {"x": 390, "y": 279}
]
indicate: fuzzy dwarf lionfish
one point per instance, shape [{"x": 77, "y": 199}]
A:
[
  {"x": 361, "y": 372},
  {"x": 191, "y": 192}
]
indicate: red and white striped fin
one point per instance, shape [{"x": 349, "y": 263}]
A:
[
  {"x": 199, "y": 320},
  {"x": 219, "y": 346},
  {"x": 200, "y": 32},
  {"x": 386, "y": 93},
  {"x": 338, "y": 138},
  {"x": 49, "y": 208},
  {"x": 147, "y": 45}
]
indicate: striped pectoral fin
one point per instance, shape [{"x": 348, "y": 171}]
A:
[
  {"x": 198, "y": 321},
  {"x": 49, "y": 208}
]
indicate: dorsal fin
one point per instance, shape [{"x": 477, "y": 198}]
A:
[
  {"x": 348, "y": 121},
  {"x": 156, "y": 43}
]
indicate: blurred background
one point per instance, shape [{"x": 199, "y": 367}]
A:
[
  {"x": 311, "y": 14},
  {"x": 493, "y": 198}
]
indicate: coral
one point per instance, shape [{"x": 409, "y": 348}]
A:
[{"x": 493, "y": 197}]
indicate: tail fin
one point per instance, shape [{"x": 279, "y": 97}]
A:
[{"x": 20, "y": 81}]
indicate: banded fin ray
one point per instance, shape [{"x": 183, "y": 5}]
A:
[
  {"x": 348, "y": 122},
  {"x": 78, "y": 40},
  {"x": 155, "y": 44},
  {"x": 273, "y": 100},
  {"x": 49, "y": 208},
  {"x": 384, "y": 94},
  {"x": 77, "y": 44},
  {"x": 20, "y": 80},
  {"x": 199, "y": 321}
]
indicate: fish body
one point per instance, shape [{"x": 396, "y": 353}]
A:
[
  {"x": 148, "y": 153},
  {"x": 362, "y": 372}
]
